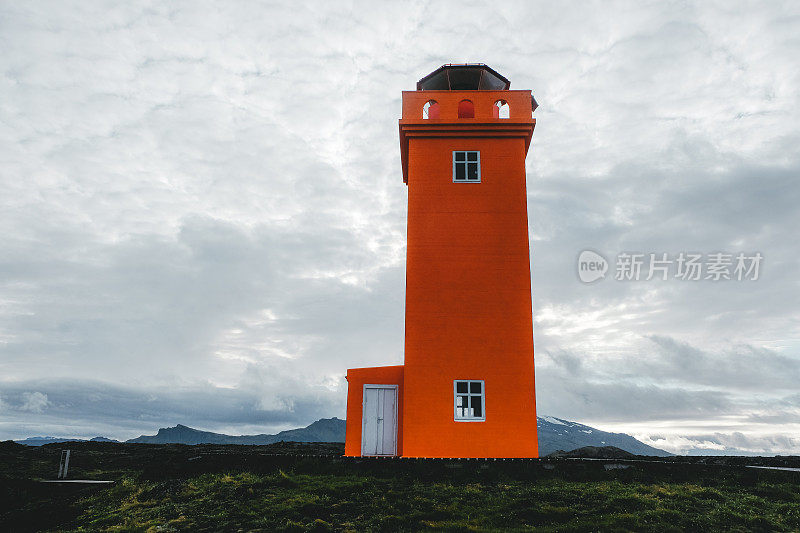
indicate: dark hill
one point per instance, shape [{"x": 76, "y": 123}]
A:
[
  {"x": 594, "y": 452},
  {"x": 9, "y": 445}
]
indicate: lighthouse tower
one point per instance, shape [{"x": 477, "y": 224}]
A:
[{"x": 467, "y": 386}]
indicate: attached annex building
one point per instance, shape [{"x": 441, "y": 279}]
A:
[{"x": 467, "y": 386}]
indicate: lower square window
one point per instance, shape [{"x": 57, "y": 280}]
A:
[{"x": 469, "y": 404}]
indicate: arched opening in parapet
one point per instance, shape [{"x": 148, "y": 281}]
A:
[
  {"x": 430, "y": 109},
  {"x": 500, "y": 109},
  {"x": 466, "y": 109}
]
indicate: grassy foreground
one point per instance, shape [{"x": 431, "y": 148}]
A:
[
  {"x": 245, "y": 490},
  {"x": 284, "y": 502}
]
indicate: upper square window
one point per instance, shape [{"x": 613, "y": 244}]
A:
[
  {"x": 467, "y": 167},
  {"x": 470, "y": 405}
]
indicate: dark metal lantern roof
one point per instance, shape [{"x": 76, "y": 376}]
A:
[{"x": 465, "y": 77}]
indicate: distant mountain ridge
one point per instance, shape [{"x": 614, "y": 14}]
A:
[
  {"x": 323, "y": 430},
  {"x": 41, "y": 441},
  {"x": 554, "y": 434},
  {"x": 559, "y": 434}
]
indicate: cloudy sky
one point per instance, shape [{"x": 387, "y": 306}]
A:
[{"x": 202, "y": 217}]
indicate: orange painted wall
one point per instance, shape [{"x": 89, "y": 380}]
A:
[
  {"x": 468, "y": 297},
  {"x": 356, "y": 379}
]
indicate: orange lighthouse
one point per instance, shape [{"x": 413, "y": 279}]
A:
[{"x": 467, "y": 386}]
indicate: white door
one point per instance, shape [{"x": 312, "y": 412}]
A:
[{"x": 379, "y": 428}]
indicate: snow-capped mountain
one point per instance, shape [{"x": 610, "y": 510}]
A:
[{"x": 559, "y": 434}]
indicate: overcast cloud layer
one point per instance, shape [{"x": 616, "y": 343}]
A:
[{"x": 202, "y": 217}]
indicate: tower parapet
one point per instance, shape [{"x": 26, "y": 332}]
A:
[{"x": 469, "y": 100}]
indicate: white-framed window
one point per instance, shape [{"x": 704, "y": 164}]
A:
[
  {"x": 466, "y": 167},
  {"x": 469, "y": 400}
]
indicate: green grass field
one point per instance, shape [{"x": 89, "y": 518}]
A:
[{"x": 222, "y": 488}]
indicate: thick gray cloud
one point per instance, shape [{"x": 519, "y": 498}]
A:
[{"x": 203, "y": 219}]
